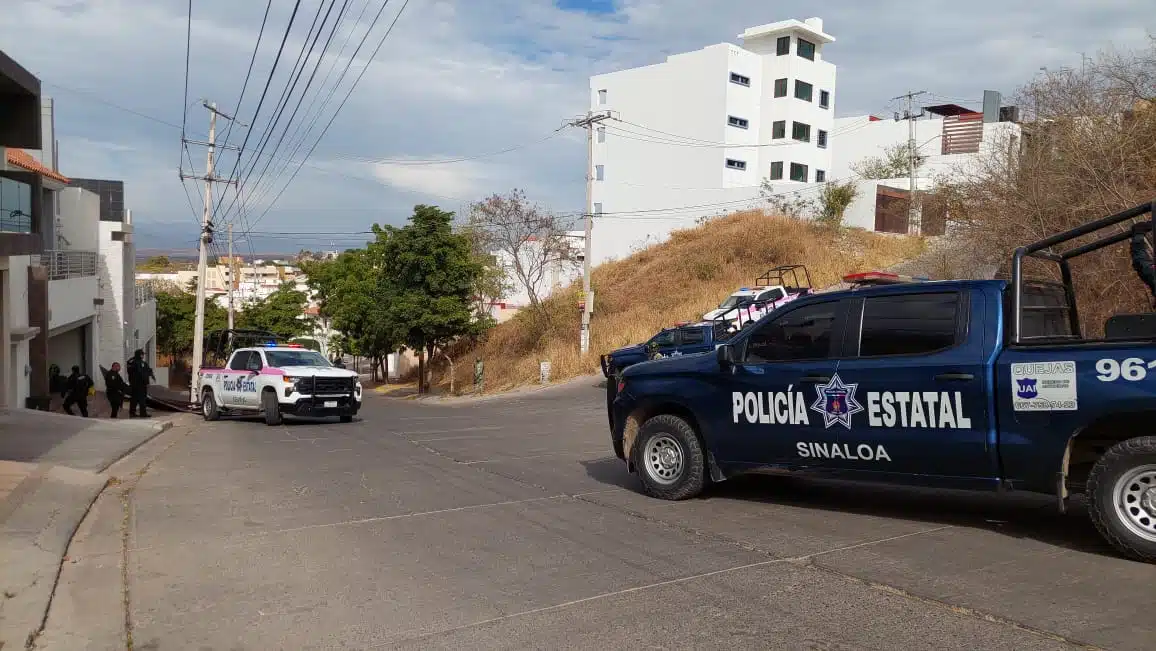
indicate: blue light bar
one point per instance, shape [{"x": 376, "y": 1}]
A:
[{"x": 271, "y": 344}]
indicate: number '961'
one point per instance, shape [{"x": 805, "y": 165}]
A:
[{"x": 1132, "y": 369}]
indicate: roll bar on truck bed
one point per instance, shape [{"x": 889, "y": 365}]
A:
[{"x": 1043, "y": 250}]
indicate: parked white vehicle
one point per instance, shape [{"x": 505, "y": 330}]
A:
[
  {"x": 276, "y": 381},
  {"x": 749, "y": 304}
]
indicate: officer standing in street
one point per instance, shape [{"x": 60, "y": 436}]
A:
[
  {"x": 139, "y": 374},
  {"x": 115, "y": 389}
]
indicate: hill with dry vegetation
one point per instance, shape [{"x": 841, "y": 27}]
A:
[{"x": 677, "y": 280}]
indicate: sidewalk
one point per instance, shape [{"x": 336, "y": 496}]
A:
[{"x": 52, "y": 468}]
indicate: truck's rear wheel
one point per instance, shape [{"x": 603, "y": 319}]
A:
[
  {"x": 1122, "y": 497},
  {"x": 669, "y": 458},
  {"x": 271, "y": 408},
  {"x": 209, "y": 408}
]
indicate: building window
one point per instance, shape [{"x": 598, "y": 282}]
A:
[
  {"x": 741, "y": 123},
  {"x": 15, "y": 207},
  {"x": 798, "y": 172},
  {"x": 601, "y": 134},
  {"x": 602, "y": 96},
  {"x": 597, "y": 208},
  {"x": 806, "y": 49},
  {"x": 779, "y": 129},
  {"x": 599, "y": 172},
  {"x": 824, "y": 99},
  {"x": 736, "y": 164},
  {"x": 783, "y": 46},
  {"x": 740, "y": 79},
  {"x": 780, "y": 88},
  {"x": 777, "y": 171},
  {"x": 822, "y": 139},
  {"x": 804, "y": 91},
  {"x": 801, "y": 132},
  {"x": 820, "y": 175}
]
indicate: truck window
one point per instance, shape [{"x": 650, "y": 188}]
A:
[
  {"x": 803, "y": 333},
  {"x": 1045, "y": 311},
  {"x": 909, "y": 324},
  {"x": 240, "y": 361},
  {"x": 693, "y": 336},
  {"x": 662, "y": 339},
  {"x": 771, "y": 296}
]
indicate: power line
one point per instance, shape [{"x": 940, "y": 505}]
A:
[
  {"x": 339, "y": 107},
  {"x": 188, "y": 58},
  {"x": 248, "y": 73},
  {"x": 265, "y": 91}
]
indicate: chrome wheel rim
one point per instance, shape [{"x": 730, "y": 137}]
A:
[
  {"x": 663, "y": 459},
  {"x": 207, "y": 405},
  {"x": 1134, "y": 498}
]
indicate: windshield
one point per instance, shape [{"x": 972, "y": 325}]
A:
[
  {"x": 731, "y": 302},
  {"x": 286, "y": 358}
]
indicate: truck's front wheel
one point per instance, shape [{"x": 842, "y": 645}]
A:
[
  {"x": 669, "y": 458},
  {"x": 271, "y": 407},
  {"x": 1122, "y": 497}
]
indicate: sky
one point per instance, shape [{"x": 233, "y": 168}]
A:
[{"x": 464, "y": 98}]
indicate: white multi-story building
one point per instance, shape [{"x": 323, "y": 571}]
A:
[{"x": 697, "y": 134}]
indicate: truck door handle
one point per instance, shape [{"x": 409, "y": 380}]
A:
[
  {"x": 954, "y": 377},
  {"x": 816, "y": 379}
]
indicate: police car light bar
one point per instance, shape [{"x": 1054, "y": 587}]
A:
[{"x": 878, "y": 278}]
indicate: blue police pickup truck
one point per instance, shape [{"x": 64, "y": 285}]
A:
[
  {"x": 681, "y": 339},
  {"x": 981, "y": 384}
]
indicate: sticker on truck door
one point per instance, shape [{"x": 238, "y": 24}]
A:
[{"x": 1044, "y": 386}]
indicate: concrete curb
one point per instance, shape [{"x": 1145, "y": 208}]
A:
[
  {"x": 159, "y": 428},
  {"x": 514, "y": 392}
]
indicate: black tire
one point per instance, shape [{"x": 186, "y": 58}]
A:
[
  {"x": 271, "y": 408},
  {"x": 1114, "y": 524},
  {"x": 347, "y": 418},
  {"x": 669, "y": 431},
  {"x": 209, "y": 407}
]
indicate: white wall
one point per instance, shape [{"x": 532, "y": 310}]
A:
[
  {"x": 71, "y": 300},
  {"x": 72, "y": 348},
  {"x": 79, "y": 219},
  {"x": 665, "y": 163},
  {"x": 858, "y": 138},
  {"x": 117, "y": 314},
  {"x": 16, "y": 305}
]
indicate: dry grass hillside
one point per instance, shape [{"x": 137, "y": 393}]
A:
[{"x": 677, "y": 280}]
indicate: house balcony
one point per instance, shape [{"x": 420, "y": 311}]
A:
[{"x": 72, "y": 287}]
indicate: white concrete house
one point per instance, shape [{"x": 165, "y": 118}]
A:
[{"x": 697, "y": 134}]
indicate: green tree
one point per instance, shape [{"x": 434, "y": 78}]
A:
[
  {"x": 834, "y": 199},
  {"x": 895, "y": 162},
  {"x": 428, "y": 282},
  {"x": 156, "y": 264},
  {"x": 282, "y": 313},
  {"x": 176, "y": 316}
]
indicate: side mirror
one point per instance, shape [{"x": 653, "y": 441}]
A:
[{"x": 726, "y": 355}]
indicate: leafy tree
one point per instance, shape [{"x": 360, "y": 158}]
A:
[
  {"x": 281, "y": 313},
  {"x": 530, "y": 240},
  {"x": 176, "y": 317},
  {"x": 427, "y": 284},
  {"x": 156, "y": 264},
  {"x": 895, "y": 162},
  {"x": 834, "y": 199}
]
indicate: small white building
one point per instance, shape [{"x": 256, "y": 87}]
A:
[{"x": 697, "y": 134}]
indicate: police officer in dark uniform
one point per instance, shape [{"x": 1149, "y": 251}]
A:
[
  {"x": 139, "y": 374},
  {"x": 76, "y": 388},
  {"x": 1142, "y": 260},
  {"x": 115, "y": 389}
]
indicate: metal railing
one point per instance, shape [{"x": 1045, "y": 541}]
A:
[
  {"x": 144, "y": 294},
  {"x": 68, "y": 264}
]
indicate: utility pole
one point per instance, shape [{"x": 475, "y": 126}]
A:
[
  {"x": 205, "y": 239},
  {"x": 592, "y": 118},
  {"x": 232, "y": 275},
  {"x": 913, "y": 225}
]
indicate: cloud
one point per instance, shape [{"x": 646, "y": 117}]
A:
[{"x": 457, "y": 79}]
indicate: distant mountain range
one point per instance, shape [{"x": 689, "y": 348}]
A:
[{"x": 178, "y": 241}]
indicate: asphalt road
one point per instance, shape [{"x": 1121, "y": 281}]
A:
[{"x": 509, "y": 524}]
